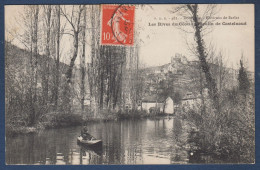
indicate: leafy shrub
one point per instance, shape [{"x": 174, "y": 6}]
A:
[
  {"x": 60, "y": 119},
  {"x": 228, "y": 134}
]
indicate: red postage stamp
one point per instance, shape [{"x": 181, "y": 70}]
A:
[{"x": 117, "y": 25}]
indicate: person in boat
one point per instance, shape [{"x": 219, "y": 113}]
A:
[{"x": 85, "y": 135}]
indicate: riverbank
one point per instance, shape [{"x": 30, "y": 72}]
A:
[
  {"x": 54, "y": 120},
  {"x": 136, "y": 136}
]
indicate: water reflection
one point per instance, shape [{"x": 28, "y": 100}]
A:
[{"x": 145, "y": 141}]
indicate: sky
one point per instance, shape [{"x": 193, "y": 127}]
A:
[
  {"x": 231, "y": 41},
  {"x": 157, "y": 44}
]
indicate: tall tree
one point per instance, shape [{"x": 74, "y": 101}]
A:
[
  {"x": 74, "y": 20},
  {"x": 73, "y": 16},
  {"x": 57, "y": 55},
  {"x": 94, "y": 66},
  {"x": 243, "y": 80},
  {"x": 34, "y": 12},
  {"x": 199, "y": 28},
  {"x": 47, "y": 12},
  {"x": 83, "y": 60}
]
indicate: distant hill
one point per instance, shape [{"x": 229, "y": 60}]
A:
[
  {"x": 185, "y": 76},
  {"x": 18, "y": 68},
  {"x": 17, "y": 56}
]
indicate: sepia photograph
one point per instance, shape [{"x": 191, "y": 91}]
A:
[{"x": 129, "y": 84}]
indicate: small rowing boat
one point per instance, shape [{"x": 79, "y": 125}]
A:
[{"x": 89, "y": 142}]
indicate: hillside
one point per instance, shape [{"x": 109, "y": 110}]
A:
[{"x": 183, "y": 76}]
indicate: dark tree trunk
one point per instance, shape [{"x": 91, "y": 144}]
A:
[
  {"x": 35, "y": 12},
  {"x": 46, "y": 65},
  {"x": 57, "y": 70},
  {"x": 83, "y": 68},
  {"x": 74, "y": 56},
  {"x": 211, "y": 84}
]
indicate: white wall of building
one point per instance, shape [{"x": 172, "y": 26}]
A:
[
  {"x": 169, "y": 106},
  {"x": 147, "y": 105}
]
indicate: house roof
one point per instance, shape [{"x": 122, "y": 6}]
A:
[
  {"x": 189, "y": 96},
  {"x": 153, "y": 99}
]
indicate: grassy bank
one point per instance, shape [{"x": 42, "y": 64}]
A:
[
  {"x": 49, "y": 120},
  {"x": 62, "y": 119}
]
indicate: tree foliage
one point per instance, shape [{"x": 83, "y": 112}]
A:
[{"x": 243, "y": 80}]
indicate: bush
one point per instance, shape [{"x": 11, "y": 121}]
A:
[
  {"x": 60, "y": 119},
  {"x": 132, "y": 114},
  {"x": 228, "y": 134}
]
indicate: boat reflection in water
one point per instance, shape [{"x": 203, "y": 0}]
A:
[{"x": 90, "y": 155}]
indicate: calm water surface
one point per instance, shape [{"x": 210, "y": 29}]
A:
[{"x": 145, "y": 141}]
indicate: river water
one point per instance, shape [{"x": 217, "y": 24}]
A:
[{"x": 139, "y": 141}]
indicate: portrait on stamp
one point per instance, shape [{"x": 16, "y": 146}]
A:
[{"x": 117, "y": 25}]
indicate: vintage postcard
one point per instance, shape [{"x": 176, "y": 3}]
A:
[{"x": 130, "y": 84}]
